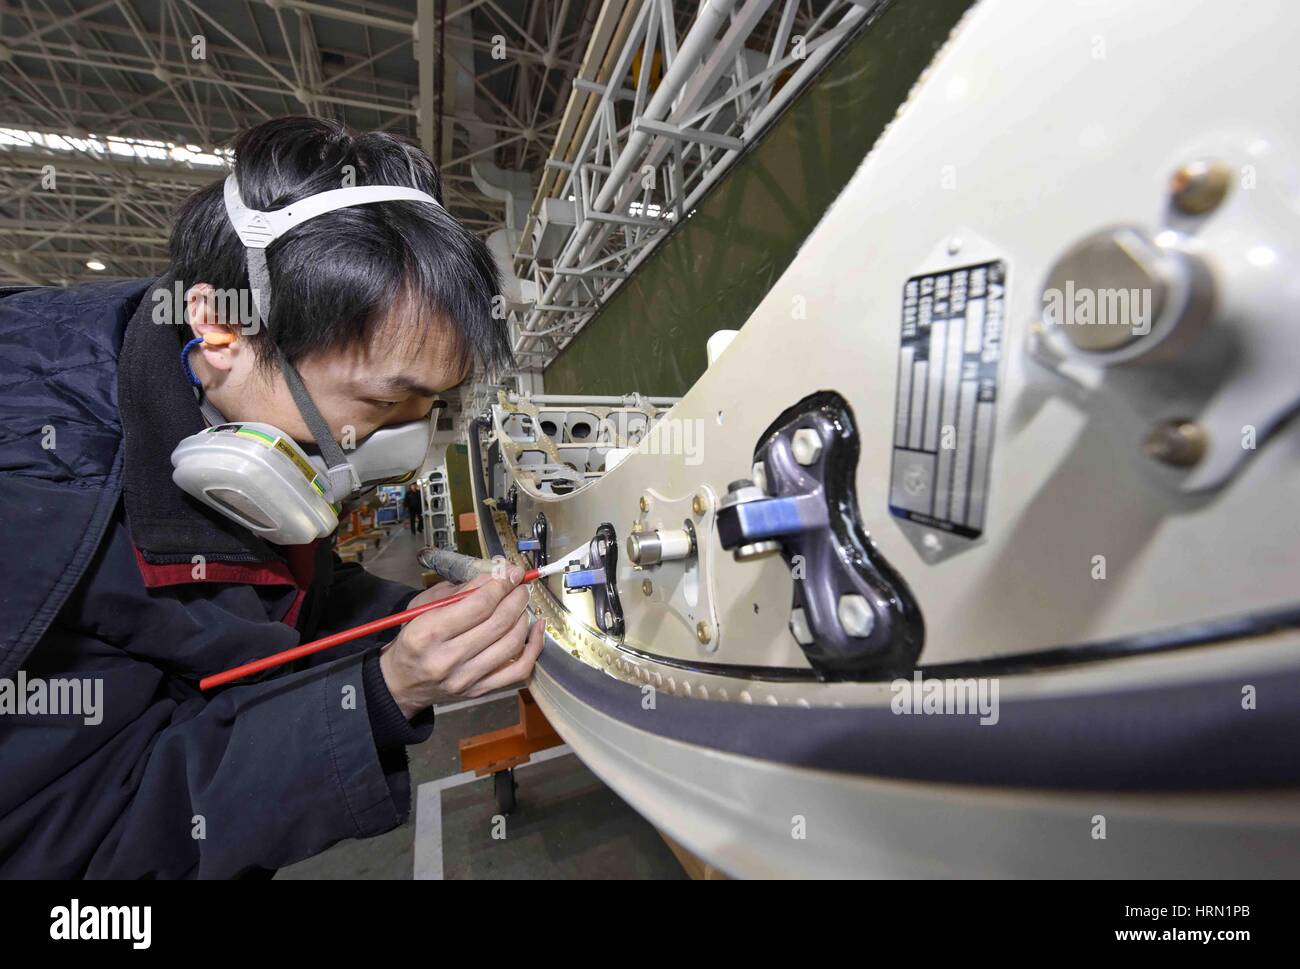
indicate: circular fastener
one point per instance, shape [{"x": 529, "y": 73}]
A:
[
  {"x": 644, "y": 548},
  {"x": 755, "y": 550},
  {"x": 1200, "y": 186},
  {"x": 799, "y": 627},
  {"x": 1107, "y": 290},
  {"x": 759, "y": 476},
  {"x": 645, "y": 504},
  {"x": 702, "y": 632},
  {"x": 1179, "y": 443},
  {"x": 647, "y": 587},
  {"x": 699, "y": 504},
  {"x": 806, "y": 445},
  {"x": 855, "y": 615}
]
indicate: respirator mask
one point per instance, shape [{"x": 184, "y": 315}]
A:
[{"x": 254, "y": 473}]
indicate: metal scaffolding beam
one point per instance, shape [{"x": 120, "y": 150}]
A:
[
  {"x": 666, "y": 107},
  {"x": 197, "y": 72}
]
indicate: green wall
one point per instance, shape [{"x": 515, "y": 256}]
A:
[
  {"x": 715, "y": 268},
  {"x": 462, "y": 498}
]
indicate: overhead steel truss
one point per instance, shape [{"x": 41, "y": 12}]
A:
[
  {"x": 665, "y": 112},
  {"x": 485, "y": 83}
]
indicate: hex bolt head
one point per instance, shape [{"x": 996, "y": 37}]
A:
[
  {"x": 759, "y": 476},
  {"x": 1178, "y": 443},
  {"x": 755, "y": 550},
  {"x": 1200, "y": 186},
  {"x": 647, "y": 587},
  {"x": 806, "y": 445},
  {"x": 645, "y": 504},
  {"x": 799, "y": 627},
  {"x": 855, "y": 615},
  {"x": 702, "y": 632},
  {"x": 699, "y": 504}
]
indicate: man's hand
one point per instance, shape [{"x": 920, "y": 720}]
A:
[{"x": 467, "y": 649}]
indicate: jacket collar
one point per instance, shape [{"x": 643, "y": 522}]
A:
[{"x": 158, "y": 410}]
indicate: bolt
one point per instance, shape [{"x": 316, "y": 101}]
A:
[
  {"x": 1200, "y": 186},
  {"x": 702, "y": 632},
  {"x": 1179, "y": 443},
  {"x": 699, "y": 504},
  {"x": 799, "y": 627},
  {"x": 755, "y": 550},
  {"x": 647, "y": 587},
  {"x": 645, "y": 504},
  {"x": 855, "y": 615},
  {"x": 806, "y": 445},
  {"x": 609, "y": 619},
  {"x": 1115, "y": 259},
  {"x": 759, "y": 474}
]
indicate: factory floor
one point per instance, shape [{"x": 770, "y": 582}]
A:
[{"x": 567, "y": 824}]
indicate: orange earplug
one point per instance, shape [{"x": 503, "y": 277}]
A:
[{"x": 218, "y": 339}]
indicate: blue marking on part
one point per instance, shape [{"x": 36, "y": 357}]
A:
[
  {"x": 584, "y": 578},
  {"x": 769, "y": 518}
]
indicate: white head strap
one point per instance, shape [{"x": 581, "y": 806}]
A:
[{"x": 258, "y": 229}]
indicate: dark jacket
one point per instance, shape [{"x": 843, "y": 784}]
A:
[
  {"x": 113, "y": 577},
  {"x": 414, "y": 507}
]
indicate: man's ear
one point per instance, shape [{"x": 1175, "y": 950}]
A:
[{"x": 220, "y": 341}]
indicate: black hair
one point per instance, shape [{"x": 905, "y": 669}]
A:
[{"x": 336, "y": 277}]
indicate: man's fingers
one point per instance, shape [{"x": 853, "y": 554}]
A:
[
  {"x": 478, "y": 638},
  {"x": 503, "y": 651},
  {"x": 450, "y": 621},
  {"x": 444, "y": 589},
  {"x": 517, "y": 671}
]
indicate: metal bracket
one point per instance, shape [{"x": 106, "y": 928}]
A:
[
  {"x": 510, "y": 505},
  {"x": 600, "y": 578},
  {"x": 538, "y": 543},
  {"x": 853, "y": 615}
]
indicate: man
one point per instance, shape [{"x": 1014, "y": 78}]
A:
[
  {"x": 414, "y": 512},
  {"x": 122, "y": 589}
]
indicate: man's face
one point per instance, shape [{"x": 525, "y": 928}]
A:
[
  {"x": 366, "y": 388},
  {"x": 392, "y": 380}
]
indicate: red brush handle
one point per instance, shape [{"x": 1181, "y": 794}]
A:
[{"x": 336, "y": 639}]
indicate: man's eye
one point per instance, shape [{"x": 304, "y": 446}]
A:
[{"x": 383, "y": 404}]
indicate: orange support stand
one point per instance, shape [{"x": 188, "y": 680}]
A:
[
  {"x": 498, "y": 753},
  {"x": 488, "y": 753}
]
